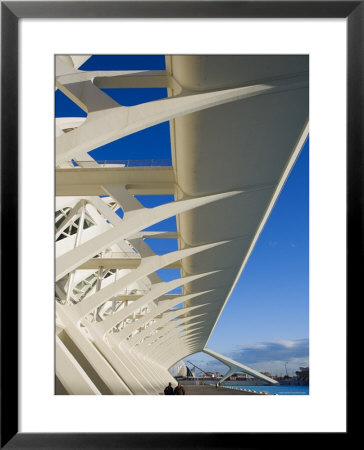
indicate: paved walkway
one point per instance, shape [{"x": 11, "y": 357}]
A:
[{"x": 212, "y": 390}]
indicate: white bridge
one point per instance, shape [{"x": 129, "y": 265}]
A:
[{"x": 237, "y": 125}]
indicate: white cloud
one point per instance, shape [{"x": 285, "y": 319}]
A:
[
  {"x": 276, "y": 353},
  {"x": 269, "y": 356}
]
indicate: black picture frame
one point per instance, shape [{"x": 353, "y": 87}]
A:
[{"x": 11, "y": 12}]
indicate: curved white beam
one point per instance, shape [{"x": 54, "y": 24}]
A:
[
  {"x": 161, "y": 326},
  {"x": 71, "y": 374},
  {"x": 109, "y": 124},
  {"x": 156, "y": 291},
  {"x": 235, "y": 367},
  {"x": 163, "y": 343},
  {"x": 161, "y": 308},
  {"x": 147, "y": 266},
  {"x": 174, "y": 335},
  {"x": 180, "y": 326},
  {"x": 140, "y": 220},
  {"x": 105, "y": 371},
  {"x": 181, "y": 344}
]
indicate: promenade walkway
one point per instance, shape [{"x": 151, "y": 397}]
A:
[{"x": 212, "y": 390}]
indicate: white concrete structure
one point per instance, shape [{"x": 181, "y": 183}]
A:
[{"x": 237, "y": 125}]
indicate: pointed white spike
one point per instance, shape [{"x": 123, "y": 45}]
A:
[
  {"x": 161, "y": 308},
  {"x": 141, "y": 219}
]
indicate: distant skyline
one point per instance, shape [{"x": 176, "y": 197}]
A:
[{"x": 265, "y": 323}]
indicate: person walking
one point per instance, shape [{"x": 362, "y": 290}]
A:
[
  {"x": 169, "y": 390},
  {"x": 179, "y": 389}
]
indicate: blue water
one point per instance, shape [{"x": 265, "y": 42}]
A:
[{"x": 280, "y": 389}]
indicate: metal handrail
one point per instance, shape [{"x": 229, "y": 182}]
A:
[
  {"x": 106, "y": 254},
  {"x": 167, "y": 162}
]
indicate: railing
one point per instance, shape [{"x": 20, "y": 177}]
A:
[
  {"x": 124, "y": 163},
  {"x": 121, "y": 255}
]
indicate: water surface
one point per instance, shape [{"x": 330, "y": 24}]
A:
[{"x": 280, "y": 389}]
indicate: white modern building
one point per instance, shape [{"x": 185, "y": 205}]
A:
[{"x": 237, "y": 125}]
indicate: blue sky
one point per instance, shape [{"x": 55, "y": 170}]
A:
[
  {"x": 265, "y": 321},
  {"x": 269, "y": 307}
]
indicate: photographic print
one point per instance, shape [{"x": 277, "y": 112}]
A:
[{"x": 181, "y": 224}]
